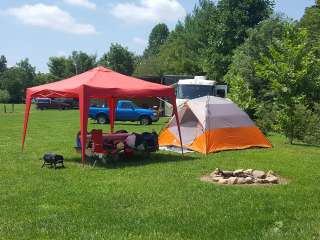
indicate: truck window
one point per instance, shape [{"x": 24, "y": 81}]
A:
[{"x": 126, "y": 105}]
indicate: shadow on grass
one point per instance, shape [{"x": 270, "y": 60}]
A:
[
  {"x": 134, "y": 161},
  {"x": 127, "y": 124},
  {"x": 305, "y": 145}
]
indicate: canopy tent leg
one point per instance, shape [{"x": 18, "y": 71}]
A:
[
  {"x": 175, "y": 111},
  {"x": 84, "y": 107},
  {"x": 26, "y": 119},
  {"x": 112, "y": 103}
]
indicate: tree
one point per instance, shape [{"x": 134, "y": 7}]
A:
[
  {"x": 246, "y": 88},
  {"x": 3, "y": 63},
  {"x": 60, "y": 67},
  {"x": 81, "y": 62},
  {"x": 234, "y": 18},
  {"x": 4, "y": 98},
  {"x": 311, "y": 20},
  {"x": 184, "y": 51},
  {"x": 157, "y": 37},
  {"x": 12, "y": 81},
  {"x": 29, "y": 73},
  {"x": 78, "y": 62},
  {"x": 119, "y": 59},
  {"x": 292, "y": 70}
]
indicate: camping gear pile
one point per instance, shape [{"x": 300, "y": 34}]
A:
[
  {"x": 121, "y": 142},
  {"x": 212, "y": 124},
  {"x": 242, "y": 176}
]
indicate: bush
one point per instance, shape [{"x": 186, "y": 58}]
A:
[
  {"x": 312, "y": 135},
  {"x": 266, "y": 118}
]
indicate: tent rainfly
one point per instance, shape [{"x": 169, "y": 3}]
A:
[
  {"x": 212, "y": 124},
  {"x": 100, "y": 83}
]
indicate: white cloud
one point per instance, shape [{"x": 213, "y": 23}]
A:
[
  {"x": 82, "y": 3},
  {"x": 149, "y": 10},
  {"x": 49, "y": 16},
  {"x": 140, "y": 41}
]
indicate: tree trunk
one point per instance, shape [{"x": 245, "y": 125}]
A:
[
  {"x": 4, "y": 108},
  {"x": 12, "y": 107}
]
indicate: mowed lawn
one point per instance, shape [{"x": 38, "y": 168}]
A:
[{"x": 160, "y": 197}]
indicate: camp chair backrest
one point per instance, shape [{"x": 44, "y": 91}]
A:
[{"x": 97, "y": 140}]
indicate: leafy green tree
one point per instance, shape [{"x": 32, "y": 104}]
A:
[
  {"x": 293, "y": 71},
  {"x": 234, "y": 18},
  {"x": 61, "y": 67},
  {"x": 12, "y": 81},
  {"x": 119, "y": 59},
  {"x": 80, "y": 62},
  {"x": 3, "y": 63},
  {"x": 4, "y": 98},
  {"x": 157, "y": 37},
  {"x": 184, "y": 51},
  {"x": 242, "y": 71},
  {"x": 311, "y": 20},
  {"x": 29, "y": 73}
]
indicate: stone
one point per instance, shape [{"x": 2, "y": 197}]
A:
[
  {"x": 216, "y": 172},
  {"x": 227, "y": 173},
  {"x": 238, "y": 172},
  {"x": 232, "y": 180},
  {"x": 270, "y": 174},
  {"x": 223, "y": 181},
  {"x": 248, "y": 171},
  {"x": 261, "y": 181},
  {"x": 241, "y": 180},
  {"x": 258, "y": 174},
  {"x": 249, "y": 180},
  {"x": 217, "y": 179},
  {"x": 272, "y": 179}
]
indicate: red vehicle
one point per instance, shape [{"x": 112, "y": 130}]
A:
[{"x": 57, "y": 103}]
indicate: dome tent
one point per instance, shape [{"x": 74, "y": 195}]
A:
[{"x": 211, "y": 124}]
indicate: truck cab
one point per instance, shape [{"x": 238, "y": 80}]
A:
[{"x": 126, "y": 110}]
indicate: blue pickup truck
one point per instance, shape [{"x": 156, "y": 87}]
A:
[{"x": 126, "y": 111}]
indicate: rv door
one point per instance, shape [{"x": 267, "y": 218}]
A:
[{"x": 221, "y": 91}]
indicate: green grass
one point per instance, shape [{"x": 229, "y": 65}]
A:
[{"x": 156, "y": 198}]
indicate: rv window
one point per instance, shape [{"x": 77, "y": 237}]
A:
[{"x": 189, "y": 91}]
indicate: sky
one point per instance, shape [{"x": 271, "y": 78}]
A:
[{"x": 38, "y": 29}]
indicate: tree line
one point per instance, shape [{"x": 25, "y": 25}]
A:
[{"x": 270, "y": 63}]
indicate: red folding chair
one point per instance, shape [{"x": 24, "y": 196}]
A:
[{"x": 97, "y": 143}]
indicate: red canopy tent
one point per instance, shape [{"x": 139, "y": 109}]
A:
[{"x": 99, "y": 82}]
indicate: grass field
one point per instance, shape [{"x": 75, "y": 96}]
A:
[{"x": 156, "y": 198}]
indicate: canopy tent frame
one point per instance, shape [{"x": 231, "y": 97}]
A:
[{"x": 89, "y": 85}]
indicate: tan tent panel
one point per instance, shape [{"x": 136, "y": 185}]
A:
[{"x": 212, "y": 124}]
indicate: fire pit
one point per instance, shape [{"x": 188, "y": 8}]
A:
[{"x": 241, "y": 176}]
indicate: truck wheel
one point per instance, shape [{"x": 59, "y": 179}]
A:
[
  {"x": 101, "y": 119},
  {"x": 144, "y": 120}
]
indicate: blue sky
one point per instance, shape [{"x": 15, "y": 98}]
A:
[{"x": 38, "y": 29}]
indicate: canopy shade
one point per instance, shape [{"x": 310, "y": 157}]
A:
[{"x": 99, "y": 82}]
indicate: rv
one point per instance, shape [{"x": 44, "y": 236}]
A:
[{"x": 199, "y": 86}]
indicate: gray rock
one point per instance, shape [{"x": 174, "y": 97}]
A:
[
  {"x": 232, "y": 180},
  {"x": 227, "y": 173},
  {"x": 272, "y": 179},
  {"x": 258, "y": 174},
  {"x": 249, "y": 180},
  {"x": 241, "y": 180},
  {"x": 238, "y": 172},
  {"x": 248, "y": 171},
  {"x": 261, "y": 181},
  {"x": 223, "y": 181},
  {"x": 217, "y": 179}
]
